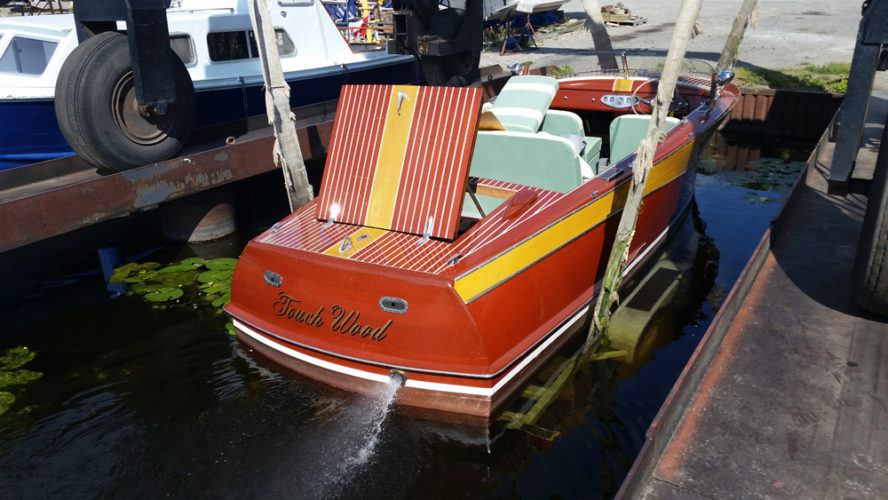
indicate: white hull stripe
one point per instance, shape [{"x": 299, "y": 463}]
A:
[
  {"x": 438, "y": 386},
  {"x": 486, "y": 392}
]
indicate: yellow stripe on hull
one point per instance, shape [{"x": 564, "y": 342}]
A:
[
  {"x": 392, "y": 150},
  {"x": 478, "y": 281}
]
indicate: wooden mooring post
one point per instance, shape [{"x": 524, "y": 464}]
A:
[
  {"x": 644, "y": 160},
  {"x": 602, "y": 41},
  {"x": 732, "y": 45},
  {"x": 287, "y": 153}
]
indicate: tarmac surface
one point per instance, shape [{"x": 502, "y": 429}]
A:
[{"x": 787, "y": 33}]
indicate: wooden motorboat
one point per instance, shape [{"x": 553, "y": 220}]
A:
[{"x": 460, "y": 253}]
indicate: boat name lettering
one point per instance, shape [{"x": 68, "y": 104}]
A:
[{"x": 345, "y": 322}]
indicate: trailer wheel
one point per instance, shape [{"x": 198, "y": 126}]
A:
[
  {"x": 98, "y": 113},
  {"x": 871, "y": 264}
]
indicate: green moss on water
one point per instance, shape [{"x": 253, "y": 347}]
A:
[
  {"x": 17, "y": 377},
  {"x": 14, "y": 378},
  {"x": 16, "y": 357},
  {"x": 6, "y": 401}
]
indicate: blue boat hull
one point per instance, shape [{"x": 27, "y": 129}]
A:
[{"x": 29, "y": 132}]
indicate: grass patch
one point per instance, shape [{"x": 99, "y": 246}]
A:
[
  {"x": 831, "y": 77},
  {"x": 561, "y": 71}
]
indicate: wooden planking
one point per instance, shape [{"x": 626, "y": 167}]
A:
[
  {"x": 354, "y": 150},
  {"x": 399, "y": 158},
  {"x": 436, "y": 163},
  {"x": 303, "y": 231}
]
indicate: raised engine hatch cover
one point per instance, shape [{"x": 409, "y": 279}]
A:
[{"x": 399, "y": 157}]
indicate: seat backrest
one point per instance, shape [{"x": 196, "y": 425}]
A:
[
  {"x": 522, "y": 103},
  {"x": 545, "y": 161},
  {"x": 558, "y": 122},
  {"x": 627, "y": 131}
]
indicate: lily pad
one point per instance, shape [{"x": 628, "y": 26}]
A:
[
  {"x": 179, "y": 268},
  {"x": 223, "y": 263},
  {"x": 215, "y": 275},
  {"x": 214, "y": 287},
  {"x": 18, "y": 377},
  {"x": 6, "y": 401},
  {"x": 16, "y": 357},
  {"x": 164, "y": 294},
  {"x": 221, "y": 301},
  {"x": 231, "y": 329},
  {"x": 184, "y": 278},
  {"x": 193, "y": 261},
  {"x": 140, "y": 277},
  {"x": 132, "y": 269}
]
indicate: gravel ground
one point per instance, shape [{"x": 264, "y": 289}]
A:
[{"x": 789, "y": 33}]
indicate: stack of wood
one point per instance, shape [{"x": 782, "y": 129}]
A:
[{"x": 619, "y": 15}]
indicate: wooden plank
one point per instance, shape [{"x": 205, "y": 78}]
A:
[{"x": 399, "y": 158}]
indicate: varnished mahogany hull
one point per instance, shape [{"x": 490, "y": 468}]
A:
[{"x": 474, "y": 333}]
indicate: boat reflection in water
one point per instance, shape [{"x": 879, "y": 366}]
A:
[{"x": 659, "y": 303}]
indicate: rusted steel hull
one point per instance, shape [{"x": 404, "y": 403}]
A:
[
  {"x": 793, "y": 115},
  {"x": 41, "y": 208}
]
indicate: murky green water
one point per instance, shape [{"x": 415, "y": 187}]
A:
[{"x": 138, "y": 399}]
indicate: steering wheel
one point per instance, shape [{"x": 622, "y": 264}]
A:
[
  {"x": 675, "y": 105},
  {"x": 636, "y": 100}
]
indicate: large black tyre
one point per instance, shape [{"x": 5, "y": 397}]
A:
[
  {"x": 871, "y": 264},
  {"x": 98, "y": 114}
]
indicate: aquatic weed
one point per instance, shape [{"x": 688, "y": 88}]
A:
[
  {"x": 190, "y": 282},
  {"x": 13, "y": 377}
]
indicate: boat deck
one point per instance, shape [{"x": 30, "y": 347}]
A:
[
  {"x": 410, "y": 252},
  {"x": 786, "y": 394}
]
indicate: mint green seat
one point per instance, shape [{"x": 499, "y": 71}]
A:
[
  {"x": 558, "y": 122},
  {"x": 568, "y": 125},
  {"x": 522, "y": 103},
  {"x": 627, "y": 131},
  {"x": 540, "y": 160}
]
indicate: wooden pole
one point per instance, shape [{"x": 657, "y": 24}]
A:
[
  {"x": 602, "y": 41},
  {"x": 287, "y": 153},
  {"x": 732, "y": 46},
  {"x": 644, "y": 160}
]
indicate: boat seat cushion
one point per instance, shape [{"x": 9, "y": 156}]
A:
[
  {"x": 569, "y": 125},
  {"x": 558, "y": 122},
  {"x": 627, "y": 131},
  {"x": 540, "y": 160},
  {"x": 592, "y": 153},
  {"x": 522, "y": 103}
]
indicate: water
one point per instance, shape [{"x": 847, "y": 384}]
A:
[{"x": 145, "y": 402}]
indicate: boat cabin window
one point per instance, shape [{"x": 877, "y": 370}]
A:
[
  {"x": 183, "y": 47},
  {"x": 233, "y": 45},
  {"x": 27, "y": 56}
]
